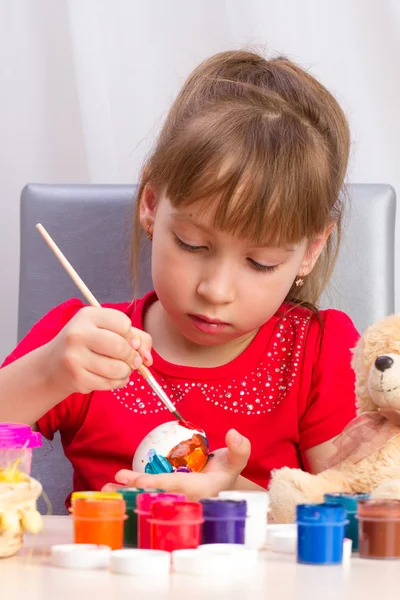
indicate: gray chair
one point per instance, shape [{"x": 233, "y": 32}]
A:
[
  {"x": 363, "y": 282},
  {"x": 92, "y": 224}
]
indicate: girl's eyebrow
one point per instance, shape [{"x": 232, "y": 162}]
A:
[{"x": 192, "y": 221}]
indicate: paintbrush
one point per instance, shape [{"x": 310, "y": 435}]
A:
[{"x": 143, "y": 370}]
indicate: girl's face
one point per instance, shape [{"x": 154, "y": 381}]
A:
[{"x": 215, "y": 287}]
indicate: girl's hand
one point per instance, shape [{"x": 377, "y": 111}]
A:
[
  {"x": 220, "y": 473},
  {"x": 96, "y": 350}
]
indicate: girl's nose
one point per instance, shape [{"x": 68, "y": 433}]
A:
[{"x": 218, "y": 286}]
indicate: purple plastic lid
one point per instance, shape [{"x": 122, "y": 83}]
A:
[{"x": 18, "y": 435}]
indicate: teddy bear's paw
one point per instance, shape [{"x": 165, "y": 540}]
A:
[
  {"x": 389, "y": 490},
  {"x": 288, "y": 488}
]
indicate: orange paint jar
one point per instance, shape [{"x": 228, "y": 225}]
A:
[{"x": 99, "y": 521}]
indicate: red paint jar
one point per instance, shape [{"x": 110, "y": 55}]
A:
[
  {"x": 99, "y": 521},
  {"x": 379, "y": 528},
  {"x": 175, "y": 525},
  {"x": 143, "y": 504}
]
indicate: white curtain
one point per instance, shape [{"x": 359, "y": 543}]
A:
[{"x": 85, "y": 85}]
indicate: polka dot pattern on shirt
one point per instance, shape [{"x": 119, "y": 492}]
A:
[{"x": 255, "y": 393}]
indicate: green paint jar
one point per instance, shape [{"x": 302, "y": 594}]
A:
[
  {"x": 131, "y": 523},
  {"x": 349, "y": 502}
]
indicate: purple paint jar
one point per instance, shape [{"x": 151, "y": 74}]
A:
[
  {"x": 224, "y": 521},
  {"x": 16, "y": 444}
]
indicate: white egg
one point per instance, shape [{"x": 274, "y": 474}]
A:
[{"x": 172, "y": 446}]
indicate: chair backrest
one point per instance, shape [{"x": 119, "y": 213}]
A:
[
  {"x": 92, "y": 224},
  {"x": 363, "y": 282}
]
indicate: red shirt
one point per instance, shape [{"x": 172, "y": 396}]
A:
[{"x": 291, "y": 389}]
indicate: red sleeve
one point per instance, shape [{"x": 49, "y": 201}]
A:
[
  {"x": 331, "y": 402},
  {"x": 64, "y": 413}
]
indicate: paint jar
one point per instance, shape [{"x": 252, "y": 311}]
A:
[
  {"x": 224, "y": 521},
  {"x": 257, "y": 515},
  {"x": 16, "y": 444},
  {"x": 379, "y": 528},
  {"x": 143, "y": 505},
  {"x": 131, "y": 522},
  {"x": 175, "y": 525},
  {"x": 349, "y": 502},
  {"x": 99, "y": 521},
  {"x": 320, "y": 533}
]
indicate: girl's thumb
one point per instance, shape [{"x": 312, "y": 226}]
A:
[{"x": 238, "y": 450}]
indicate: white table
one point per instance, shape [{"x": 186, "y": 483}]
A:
[{"x": 30, "y": 576}]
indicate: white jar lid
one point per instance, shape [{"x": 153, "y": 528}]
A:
[
  {"x": 136, "y": 561},
  {"x": 284, "y": 542},
  {"x": 217, "y": 563},
  {"x": 80, "y": 556},
  {"x": 279, "y": 528}
]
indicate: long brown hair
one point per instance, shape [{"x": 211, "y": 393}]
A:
[{"x": 263, "y": 142}]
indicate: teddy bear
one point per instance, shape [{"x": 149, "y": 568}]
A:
[
  {"x": 367, "y": 455},
  {"x": 18, "y": 513}
]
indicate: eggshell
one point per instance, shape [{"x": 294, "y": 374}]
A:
[{"x": 172, "y": 446}]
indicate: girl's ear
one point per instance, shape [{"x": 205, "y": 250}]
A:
[
  {"x": 314, "y": 250},
  {"x": 148, "y": 207}
]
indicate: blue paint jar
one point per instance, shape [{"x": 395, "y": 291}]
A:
[
  {"x": 224, "y": 521},
  {"x": 320, "y": 533},
  {"x": 349, "y": 502}
]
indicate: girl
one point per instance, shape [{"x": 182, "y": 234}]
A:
[{"x": 241, "y": 201}]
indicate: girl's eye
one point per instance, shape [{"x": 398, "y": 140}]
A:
[
  {"x": 262, "y": 268},
  {"x": 188, "y": 247}
]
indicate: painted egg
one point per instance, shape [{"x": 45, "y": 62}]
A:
[{"x": 172, "y": 446}]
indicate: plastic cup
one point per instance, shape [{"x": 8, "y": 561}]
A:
[
  {"x": 16, "y": 444},
  {"x": 379, "y": 529},
  {"x": 349, "y": 502},
  {"x": 320, "y": 533},
  {"x": 257, "y": 515},
  {"x": 131, "y": 524},
  {"x": 175, "y": 525},
  {"x": 143, "y": 506},
  {"x": 224, "y": 521},
  {"x": 99, "y": 521}
]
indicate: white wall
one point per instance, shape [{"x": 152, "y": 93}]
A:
[{"x": 84, "y": 85}]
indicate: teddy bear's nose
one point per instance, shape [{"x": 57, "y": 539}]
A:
[{"x": 383, "y": 362}]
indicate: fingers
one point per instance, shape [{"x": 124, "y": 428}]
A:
[
  {"x": 146, "y": 481},
  {"x": 183, "y": 483},
  {"x": 108, "y": 368},
  {"x": 169, "y": 482},
  {"x": 142, "y": 343},
  {"x": 126, "y": 477},
  {"x": 114, "y": 336},
  {"x": 239, "y": 449},
  {"x": 109, "y": 343},
  {"x": 92, "y": 381},
  {"x": 111, "y": 487},
  {"x": 108, "y": 318}
]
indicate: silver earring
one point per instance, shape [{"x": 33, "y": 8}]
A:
[{"x": 299, "y": 282}]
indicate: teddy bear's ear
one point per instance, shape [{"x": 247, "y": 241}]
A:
[{"x": 361, "y": 369}]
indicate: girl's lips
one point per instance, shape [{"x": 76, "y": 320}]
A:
[
  {"x": 206, "y": 325},
  {"x": 209, "y": 319}
]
